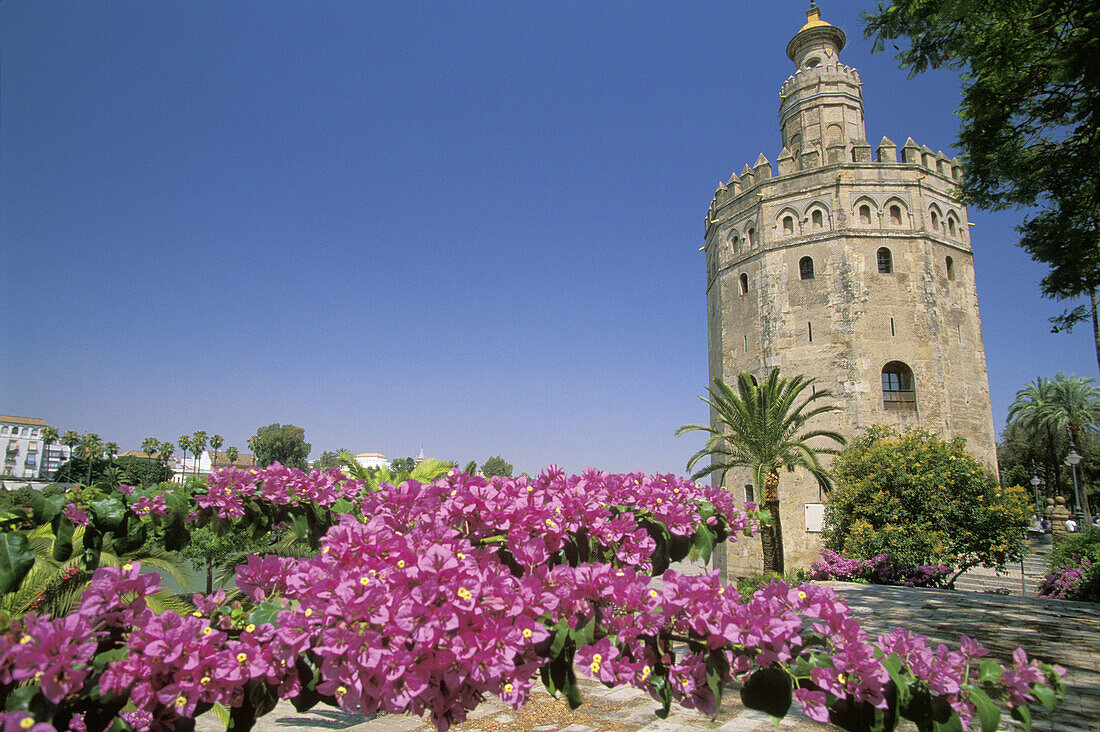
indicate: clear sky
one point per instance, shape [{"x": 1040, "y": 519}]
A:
[{"x": 468, "y": 226}]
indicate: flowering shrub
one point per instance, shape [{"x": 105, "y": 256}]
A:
[
  {"x": 1070, "y": 581},
  {"x": 878, "y": 570},
  {"x": 425, "y": 598}
]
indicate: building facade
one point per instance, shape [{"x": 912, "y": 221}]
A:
[
  {"x": 849, "y": 265},
  {"x": 25, "y": 453}
]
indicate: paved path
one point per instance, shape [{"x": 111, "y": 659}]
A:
[{"x": 1067, "y": 633}]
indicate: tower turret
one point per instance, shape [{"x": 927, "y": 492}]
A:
[{"x": 821, "y": 105}]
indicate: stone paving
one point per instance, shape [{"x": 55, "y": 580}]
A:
[{"x": 1067, "y": 633}]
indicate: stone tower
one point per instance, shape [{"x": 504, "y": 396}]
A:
[{"x": 848, "y": 265}]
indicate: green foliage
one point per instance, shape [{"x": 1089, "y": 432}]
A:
[
  {"x": 496, "y": 466},
  {"x": 21, "y": 497},
  {"x": 1085, "y": 543},
  {"x": 758, "y": 427},
  {"x": 328, "y": 460},
  {"x": 209, "y": 549},
  {"x": 403, "y": 465},
  {"x": 922, "y": 501},
  {"x": 284, "y": 444},
  {"x": 749, "y": 584},
  {"x": 132, "y": 471},
  {"x": 1029, "y": 117},
  {"x": 427, "y": 471}
]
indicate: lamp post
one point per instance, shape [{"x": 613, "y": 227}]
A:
[
  {"x": 1036, "y": 481},
  {"x": 1071, "y": 460}
]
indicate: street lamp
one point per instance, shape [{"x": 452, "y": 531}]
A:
[
  {"x": 1071, "y": 460},
  {"x": 1036, "y": 481}
]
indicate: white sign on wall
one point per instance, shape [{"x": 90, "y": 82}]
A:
[{"x": 815, "y": 517}]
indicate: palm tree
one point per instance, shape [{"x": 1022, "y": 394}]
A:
[
  {"x": 111, "y": 450},
  {"x": 91, "y": 447},
  {"x": 758, "y": 427},
  {"x": 185, "y": 445},
  {"x": 71, "y": 439},
  {"x": 149, "y": 446},
  {"x": 1074, "y": 406},
  {"x": 198, "y": 444},
  {"x": 232, "y": 453},
  {"x": 49, "y": 436},
  {"x": 1031, "y": 412},
  {"x": 216, "y": 441},
  {"x": 166, "y": 450}
]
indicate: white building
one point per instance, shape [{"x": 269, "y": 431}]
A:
[
  {"x": 372, "y": 460},
  {"x": 25, "y": 455}
]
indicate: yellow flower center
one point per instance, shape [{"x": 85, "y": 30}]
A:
[
  {"x": 38, "y": 676},
  {"x": 341, "y": 690},
  {"x": 181, "y": 700},
  {"x": 801, "y": 595},
  {"x": 24, "y": 640},
  {"x": 721, "y": 590},
  {"x": 207, "y": 631},
  {"x": 364, "y": 581},
  {"x": 242, "y": 657},
  {"x": 842, "y": 678},
  {"x": 530, "y": 489},
  {"x": 464, "y": 593},
  {"x": 653, "y": 593},
  {"x": 250, "y": 627},
  {"x": 508, "y": 688},
  {"x": 127, "y": 567},
  {"x": 684, "y": 682},
  {"x": 204, "y": 680},
  {"x": 646, "y": 671},
  {"x": 196, "y": 614},
  {"x": 308, "y": 612},
  {"x": 551, "y": 524},
  {"x": 595, "y": 667},
  {"x": 527, "y": 633},
  {"x": 596, "y": 658},
  {"x": 27, "y": 722},
  {"x": 325, "y": 549},
  {"x": 400, "y": 563}
]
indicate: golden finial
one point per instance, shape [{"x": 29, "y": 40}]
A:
[{"x": 813, "y": 17}]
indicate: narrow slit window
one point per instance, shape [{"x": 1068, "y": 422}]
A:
[
  {"x": 751, "y": 236},
  {"x": 951, "y": 227},
  {"x": 935, "y": 221},
  {"x": 810, "y": 331},
  {"x": 750, "y": 494},
  {"x": 746, "y": 343},
  {"x": 885, "y": 261},
  {"x": 892, "y": 331},
  {"x": 744, "y": 279},
  {"x": 806, "y": 268},
  {"x": 735, "y": 243},
  {"x": 951, "y": 269}
]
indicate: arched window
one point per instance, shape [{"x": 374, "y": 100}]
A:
[
  {"x": 865, "y": 214},
  {"x": 817, "y": 219},
  {"x": 744, "y": 283},
  {"x": 895, "y": 215},
  {"x": 951, "y": 226},
  {"x": 735, "y": 243},
  {"x": 898, "y": 393},
  {"x": 788, "y": 225},
  {"x": 885, "y": 261},
  {"x": 806, "y": 268},
  {"x": 950, "y": 269},
  {"x": 751, "y": 236},
  {"x": 935, "y": 221}
]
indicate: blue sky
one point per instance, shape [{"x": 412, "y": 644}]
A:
[{"x": 472, "y": 227}]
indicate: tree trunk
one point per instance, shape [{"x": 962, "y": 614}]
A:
[
  {"x": 1095, "y": 326},
  {"x": 771, "y": 537},
  {"x": 210, "y": 578}
]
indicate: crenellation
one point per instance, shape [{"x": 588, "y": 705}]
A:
[
  {"x": 762, "y": 169},
  {"x": 910, "y": 152},
  {"x": 887, "y": 150}
]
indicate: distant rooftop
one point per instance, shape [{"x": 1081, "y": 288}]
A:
[{"x": 33, "y": 421}]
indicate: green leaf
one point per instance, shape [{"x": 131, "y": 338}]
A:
[
  {"x": 16, "y": 559},
  {"x": 561, "y": 635},
  {"x": 45, "y": 509},
  {"x": 718, "y": 668},
  {"x": 63, "y": 539},
  {"x": 893, "y": 666},
  {"x": 988, "y": 712},
  {"x": 990, "y": 672},
  {"x": 768, "y": 690},
  {"x": 300, "y": 524},
  {"x": 342, "y": 506},
  {"x": 704, "y": 542},
  {"x": 108, "y": 513},
  {"x": 264, "y": 613},
  {"x": 1045, "y": 695},
  {"x": 585, "y": 635},
  {"x": 1023, "y": 716},
  {"x": 664, "y": 693},
  {"x": 953, "y": 724},
  {"x": 100, "y": 660}
]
